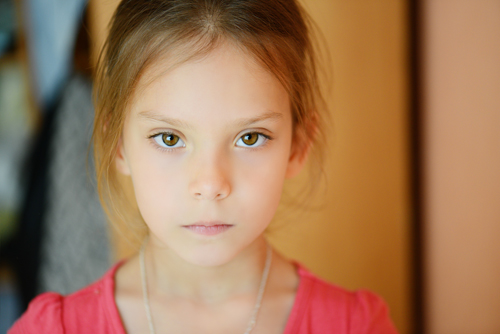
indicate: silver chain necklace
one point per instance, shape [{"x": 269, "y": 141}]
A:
[{"x": 260, "y": 294}]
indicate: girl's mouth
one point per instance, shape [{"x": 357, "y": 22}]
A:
[{"x": 208, "y": 228}]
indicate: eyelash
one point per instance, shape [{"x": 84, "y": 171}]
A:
[
  {"x": 158, "y": 146},
  {"x": 161, "y": 148},
  {"x": 260, "y": 134}
]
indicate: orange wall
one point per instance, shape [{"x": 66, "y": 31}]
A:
[
  {"x": 360, "y": 237},
  {"x": 462, "y": 165}
]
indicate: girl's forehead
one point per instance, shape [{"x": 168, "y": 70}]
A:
[
  {"x": 189, "y": 56},
  {"x": 223, "y": 83}
]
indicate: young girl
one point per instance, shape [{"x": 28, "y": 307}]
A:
[{"x": 205, "y": 107}]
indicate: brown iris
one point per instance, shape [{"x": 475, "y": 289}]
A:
[
  {"x": 250, "y": 138},
  {"x": 170, "y": 139}
]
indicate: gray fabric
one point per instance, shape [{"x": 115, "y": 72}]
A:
[{"x": 75, "y": 244}]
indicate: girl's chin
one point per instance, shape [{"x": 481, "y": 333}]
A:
[{"x": 207, "y": 254}]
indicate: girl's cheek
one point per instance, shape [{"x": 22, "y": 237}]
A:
[
  {"x": 153, "y": 169},
  {"x": 264, "y": 175}
]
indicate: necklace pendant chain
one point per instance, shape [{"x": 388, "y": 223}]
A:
[
  {"x": 145, "y": 294},
  {"x": 253, "y": 319}
]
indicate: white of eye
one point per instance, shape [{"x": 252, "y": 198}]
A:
[
  {"x": 260, "y": 141},
  {"x": 159, "y": 140}
]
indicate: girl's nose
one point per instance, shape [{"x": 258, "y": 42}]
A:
[{"x": 210, "y": 181}]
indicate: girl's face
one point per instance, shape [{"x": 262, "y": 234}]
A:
[{"x": 208, "y": 146}]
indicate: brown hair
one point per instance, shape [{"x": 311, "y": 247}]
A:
[{"x": 277, "y": 33}]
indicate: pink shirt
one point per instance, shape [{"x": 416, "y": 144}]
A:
[{"x": 319, "y": 307}]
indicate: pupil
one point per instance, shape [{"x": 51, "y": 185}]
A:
[
  {"x": 170, "y": 140},
  {"x": 250, "y": 138}
]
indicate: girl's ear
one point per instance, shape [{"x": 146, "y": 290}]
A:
[
  {"x": 121, "y": 159},
  {"x": 298, "y": 155}
]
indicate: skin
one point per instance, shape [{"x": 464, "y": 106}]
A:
[{"x": 210, "y": 175}]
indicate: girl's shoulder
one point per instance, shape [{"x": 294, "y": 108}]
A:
[
  {"x": 43, "y": 316},
  {"x": 89, "y": 310},
  {"x": 324, "y": 307}
]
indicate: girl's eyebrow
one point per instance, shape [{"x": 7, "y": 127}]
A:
[
  {"x": 243, "y": 122},
  {"x": 154, "y": 116},
  {"x": 271, "y": 115}
]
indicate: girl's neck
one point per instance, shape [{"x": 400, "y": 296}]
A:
[{"x": 170, "y": 275}]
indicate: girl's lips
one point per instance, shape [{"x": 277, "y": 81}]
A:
[{"x": 208, "y": 229}]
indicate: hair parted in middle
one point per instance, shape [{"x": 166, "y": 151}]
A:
[{"x": 275, "y": 33}]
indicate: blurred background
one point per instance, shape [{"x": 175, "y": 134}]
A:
[{"x": 410, "y": 205}]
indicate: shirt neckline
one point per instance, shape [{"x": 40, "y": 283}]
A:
[{"x": 293, "y": 322}]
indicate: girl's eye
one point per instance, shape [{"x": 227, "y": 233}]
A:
[
  {"x": 252, "y": 139},
  {"x": 168, "y": 140}
]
